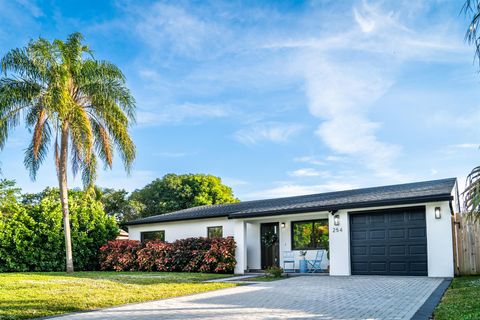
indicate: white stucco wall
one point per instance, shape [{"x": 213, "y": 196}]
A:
[
  {"x": 182, "y": 229},
  {"x": 285, "y": 238},
  {"x": 339, "y": 245},
  {"x": 439, "y": 241},
  {"x": 247, "y": 236},
  {"x": 239, "y": 234}
]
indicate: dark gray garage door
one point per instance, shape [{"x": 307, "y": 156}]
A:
[{"x": 389, "y": 242}]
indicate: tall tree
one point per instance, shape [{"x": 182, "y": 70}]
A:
[
  {"x": 175, "y": 192},
  {"x": 116, "y": 203},
  {"x": 471, "y": 194},
  {"x": 71, "y": 102}
]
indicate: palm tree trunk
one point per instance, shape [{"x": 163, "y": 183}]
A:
[{"x": 62, "y": 181}]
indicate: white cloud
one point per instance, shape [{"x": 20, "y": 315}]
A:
[
  {"x": 466, "y": 146},
  {"x": 346, "y": 72},
  {"x": 310, "y": 159},
  {"x": 340, "y": 95},
  {"x": 290, "y": 189},
  {"x": 32, "y": 7},
  {"x": 234, "y": 182},
  {"x": 366, "y": 24},
  {"x": 270, "y": 132},
  {"x": 336, "y": 159},
  {"x": 467, "y": 119},
  {"x": 308, "y": 172},
  {"x": 175, "y": 114},
  {"x": 170, "y": 27}
]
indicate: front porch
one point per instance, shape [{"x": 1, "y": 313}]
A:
[{"x": 282, "y": 241}]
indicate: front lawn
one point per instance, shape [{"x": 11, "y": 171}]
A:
[
  {"x": 264, "y": 278},
  {"x": 27, "y": 295},
  {"x": 461, "y": 301}
]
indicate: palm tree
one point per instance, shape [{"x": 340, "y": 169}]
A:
[{"x": 71, "y": 102}]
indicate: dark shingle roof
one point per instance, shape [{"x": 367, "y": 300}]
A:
[{"x": 426, "y": 191}]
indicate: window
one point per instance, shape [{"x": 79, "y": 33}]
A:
[
  {"x": 152, "y": 235},
  {"x": 215, "y": 232},
  {"x": 311, "y": 234}
]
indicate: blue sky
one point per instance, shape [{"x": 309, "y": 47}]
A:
[{"x": 276, "y": 98}]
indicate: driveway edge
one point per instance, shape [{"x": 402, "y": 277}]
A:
[{"x": 426, "y": 310}]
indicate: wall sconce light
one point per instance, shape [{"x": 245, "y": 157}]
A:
[
  {"x": 336, "y": 220},
  {"x": 282, "y": 225},
  {"x": 438, "y": 213}
]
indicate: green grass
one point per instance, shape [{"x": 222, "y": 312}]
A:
[
  {"x": 264, "y": 278},
  {"x": 461, "y": 301},
  {"x": 28, "y": 295}
]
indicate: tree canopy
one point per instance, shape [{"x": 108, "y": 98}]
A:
[
  {"x": 175, "y": 192},
  {"x": 118, "y": 204},
  {"x": 31, "y": 229}
]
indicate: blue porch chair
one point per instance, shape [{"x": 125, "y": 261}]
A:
[
  {"x": 316, "y": 264},
  {"x": 288, "y": 258}
]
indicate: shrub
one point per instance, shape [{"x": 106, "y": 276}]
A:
[
  {"x": 120, "y": 255},
  {"x": 274, "y": 271},
  {"x": 31, "y": 231},
  {"x": 186, "y": 255},
  {"x": 220, "y": 258},
  {"x": 155, "y": 256}
]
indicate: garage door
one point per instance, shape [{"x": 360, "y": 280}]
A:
[{"x": 389, "y": 242}]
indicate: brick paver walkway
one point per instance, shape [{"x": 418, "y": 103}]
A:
[{"x": 356, "y": 297}]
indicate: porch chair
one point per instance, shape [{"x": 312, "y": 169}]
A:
[
  {"x": 288, "y": 258},
  {"x": 316, "y": 264}
]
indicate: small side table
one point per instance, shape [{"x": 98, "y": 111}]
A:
[{"x": 303, "y": 266}]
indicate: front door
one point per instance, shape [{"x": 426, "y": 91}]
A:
[{"x": 269, "y": 238}]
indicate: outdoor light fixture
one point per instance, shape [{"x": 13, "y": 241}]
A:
[
  {"x": 283, "y": 225},
  {"x": 336, "y": 220},
  {"x": 438, "y": 213}
]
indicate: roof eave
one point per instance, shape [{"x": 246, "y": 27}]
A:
[
  {"x": 365, "y": 204},
  {"x": 354, "y": 205},
  {"x": 137, "y": 222}
]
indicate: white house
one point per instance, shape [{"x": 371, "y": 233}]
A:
[{"x": 390, "y": 230}]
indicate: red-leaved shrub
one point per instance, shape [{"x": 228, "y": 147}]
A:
[
  {"x": 120, "y": 255},
  {"x": 188, "y": 255},
  {"x": 155, "y": 256},
  {"x": 220, "y": 258}
]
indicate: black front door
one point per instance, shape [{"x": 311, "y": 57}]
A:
[{"x": 269, "y": 239}]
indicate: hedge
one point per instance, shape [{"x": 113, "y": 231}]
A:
[
  {"x": 186, "y": 255},
  {"x": 31, "y": 231}
]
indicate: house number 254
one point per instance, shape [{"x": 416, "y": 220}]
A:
[{"x": 337, "y": 229}]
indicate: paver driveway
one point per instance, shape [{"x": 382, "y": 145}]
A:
[{"x": 356, "y": 297}]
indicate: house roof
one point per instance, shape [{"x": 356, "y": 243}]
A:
[{"x": 425, "y": 191}]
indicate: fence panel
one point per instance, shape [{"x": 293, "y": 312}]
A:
[{"x": 466, "y": 234}]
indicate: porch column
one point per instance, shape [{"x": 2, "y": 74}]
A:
[{"x": 240, "y": 237}]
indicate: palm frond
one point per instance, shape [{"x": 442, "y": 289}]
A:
[
  {"x": 471, "y": 9},
  {"x": 471, "y": 194},
  {"x": 89, "y": 172},
  {"x": 38, "y": 132},
  {"x": 103, "y": 143},
  {"x": 101, "y": 81},
  {"x": 37, "y": 151},
  {"x": 81, "y": 132}
]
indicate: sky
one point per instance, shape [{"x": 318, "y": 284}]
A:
[{"x": 278, "y": 98}]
